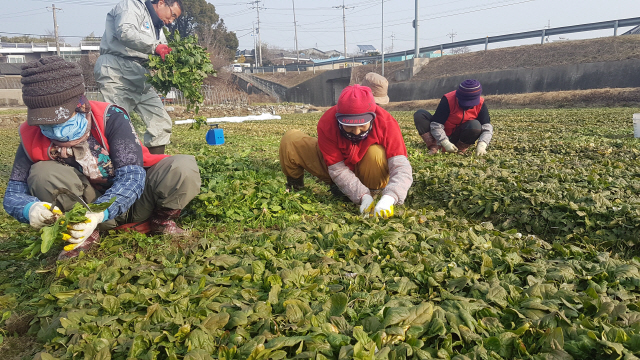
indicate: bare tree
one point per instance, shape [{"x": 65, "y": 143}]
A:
[{"x": 460, "y": 50}]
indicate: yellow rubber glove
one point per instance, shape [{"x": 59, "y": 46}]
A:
[
  {"x": 384, "y": 207},
  {"x": 41, "y": 215},
  {"x": 366, "y": 206}
]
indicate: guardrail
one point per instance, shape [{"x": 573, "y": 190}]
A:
[{"x": 409, "y": 54}]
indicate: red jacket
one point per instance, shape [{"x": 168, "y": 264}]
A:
[
  {"x": 336, "y": 148},
  {"x": 37, "y": 145},
  {"x": 457, "y": 116}
]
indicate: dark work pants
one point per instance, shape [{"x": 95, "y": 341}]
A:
[{"x": 468, "y": 132}]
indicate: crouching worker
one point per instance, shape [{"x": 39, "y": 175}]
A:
[
  {"x": 91, "y": 149},
  {"x": 460, "y": 119},
  {"x": 359, "y": 149}
]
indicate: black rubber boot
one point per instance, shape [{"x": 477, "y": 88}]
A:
[
  {"x": 295, "y": 184},
  {"x": 158, "y": 150}
]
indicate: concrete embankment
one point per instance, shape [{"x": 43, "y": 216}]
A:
[{"x": 585, "y": 76}]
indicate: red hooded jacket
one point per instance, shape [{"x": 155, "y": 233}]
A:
[{"x": 336, "y": 148}]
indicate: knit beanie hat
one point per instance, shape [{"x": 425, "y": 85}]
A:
[
  {"x": 469, "y": 92},
  {"x": 356, "y": 106},
  {"x": 52, "y": 90}
]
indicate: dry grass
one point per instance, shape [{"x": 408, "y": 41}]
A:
[
  {"x": 291, "y": 78},
  {"x": 533, "y": 56},
  {"x": 542, "y": 100},
  {"x": 359, "y": 72}
]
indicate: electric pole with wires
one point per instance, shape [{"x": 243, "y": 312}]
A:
[
  {"x": 258, "y": 56},
  {"x": 344, "y": 25},
  {"x": 55, "y": 26},
  {"x": 295, "y": 31}
]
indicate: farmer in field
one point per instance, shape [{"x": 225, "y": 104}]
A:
[
  {"x": 133, "y": 31},
  {"x": 91, "y": 149},
  {"x": 378, "y": 85},
  {"x": 359, "y": 151},
  {"x": 461, "y": 119}
]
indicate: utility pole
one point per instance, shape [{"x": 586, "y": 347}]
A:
[
  {"x": 344, "y": 25},
  {"x": 393, "y": 37},
  {"x": 257, "y": 5},
  {"x": 295, "y": 28},
  {"x": 415, "y": 25},
  {"x": 55, "y": 27},
  {"x": 382, "y": 1},
  {"x": 255, "y": 52},
  {"x": 452, "y": 35}
]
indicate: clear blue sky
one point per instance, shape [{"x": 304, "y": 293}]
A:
[{"x": 321, "y": 24}]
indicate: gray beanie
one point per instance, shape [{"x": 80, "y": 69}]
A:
[{"x": 51, "y": 90}]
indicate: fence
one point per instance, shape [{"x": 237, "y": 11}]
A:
[
  {"x": 212, "y": 96},
  {"x": 409, "y": 54}
]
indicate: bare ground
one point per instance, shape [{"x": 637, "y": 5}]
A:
[{"x": 579, "y": 98}]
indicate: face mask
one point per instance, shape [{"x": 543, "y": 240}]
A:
[
  {"x": 353, "y": 137},
  {"x": 70, "y": 130}
]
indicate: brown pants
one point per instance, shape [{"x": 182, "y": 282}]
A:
[
  {"x": 300, "y": 152},
  {"x": 171, "y": 183}
]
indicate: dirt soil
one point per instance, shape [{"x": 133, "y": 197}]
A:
[
  {"x": 625, "y": 97},
  {"x": 291, "y": 78},
  {"x": 533, "y": 56}
]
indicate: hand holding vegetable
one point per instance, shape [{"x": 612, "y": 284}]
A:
[
  {"x": 448, "y": 146},
  {"x": 163, "y": 50},
  {"x": 41, "y": 214},
  {"x": 384, "y": 207},
  {"x": 481, "y": 148},
  {"x": 81, "y": 231},
  {"x": 185, "y": 70}
]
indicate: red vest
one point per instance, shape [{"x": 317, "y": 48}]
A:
[
  {"x": 37, "y": 145},
  {"x": 457, "y": 116}
]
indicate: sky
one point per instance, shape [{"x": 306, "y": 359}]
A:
[{"x": 320, "y": 22}]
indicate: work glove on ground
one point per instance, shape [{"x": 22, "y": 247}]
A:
[
  {"x": 448, "y": 146},
  {"x": 384, "y": 207},
  {"x": 41, "y": 214},
  {"x": 366, "y": 206},
  {"x": 481, "y": 148},
  {"x": 163, "y": 50},
  {"x": 81, "y": 231}
]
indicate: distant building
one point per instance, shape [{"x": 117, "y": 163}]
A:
[
  {"x": 316, "y": 54},
  {"x": 364, "y": 50},
  {"x": 248, "y": 54},
  {"x": 16, "y": 53}
]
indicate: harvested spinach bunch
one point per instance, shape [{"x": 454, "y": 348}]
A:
[
  {"x": 58, "y": 230},
  {"x": 184, "y": 68}
]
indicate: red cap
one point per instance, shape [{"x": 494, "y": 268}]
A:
[{"x": 356, "y": 106}]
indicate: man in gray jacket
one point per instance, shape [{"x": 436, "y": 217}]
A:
[{"x": 132, "y": 32}]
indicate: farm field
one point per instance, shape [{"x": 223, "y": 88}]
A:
[{"x": 528, "y": 253}]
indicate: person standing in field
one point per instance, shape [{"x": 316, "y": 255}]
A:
[
  {"x": 359, "y": 151},
  {"x": 133, "y": 31},
  {"x": 379, "y": 86},
  {"x": 91, "y": 149},
  {"x": 461, "y": 119}
]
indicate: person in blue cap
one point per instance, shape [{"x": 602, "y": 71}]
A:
[{"x": 461, "y": 119}]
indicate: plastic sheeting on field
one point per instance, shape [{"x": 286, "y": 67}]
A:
[{"x": 235, "y": 119}]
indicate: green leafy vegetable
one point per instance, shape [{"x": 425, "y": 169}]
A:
[{"x": 184, "y": 68}]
